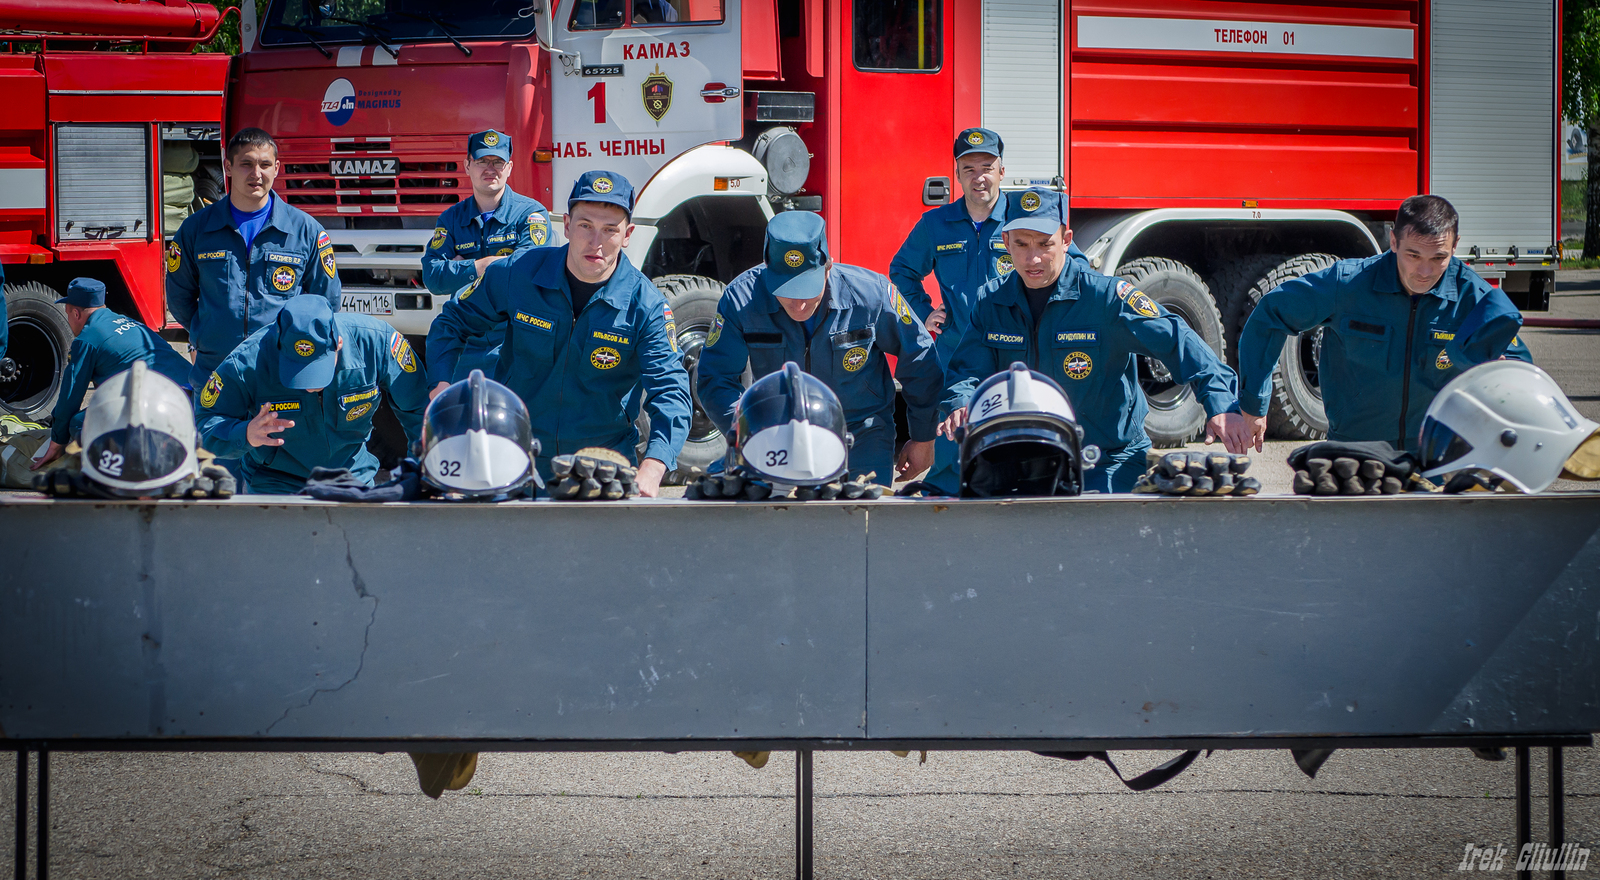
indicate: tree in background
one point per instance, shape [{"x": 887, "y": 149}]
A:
[
  {"x": 1580, "y": 100},
  {"x": 227, "y": 39}
]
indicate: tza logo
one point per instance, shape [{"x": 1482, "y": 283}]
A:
[
  {"x": 339, "y": 101},
  {"x": 360, "y": 167}
]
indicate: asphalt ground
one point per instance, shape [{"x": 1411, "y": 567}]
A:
[{"x": 1369, "y": 813}]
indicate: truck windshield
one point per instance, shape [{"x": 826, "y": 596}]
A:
[{"x": 302, "y": 22}]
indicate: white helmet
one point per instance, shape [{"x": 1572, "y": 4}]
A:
[
  {"x": 1506, "y": 417},
  {"x": 477, "y": 440},
  {"x": 138, "y": 434},
  {"x": 1021, "y": 438},
  {"x": 790, "y": 429}
]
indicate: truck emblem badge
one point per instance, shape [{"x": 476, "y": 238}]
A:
[{"x": 657, "y": 94}]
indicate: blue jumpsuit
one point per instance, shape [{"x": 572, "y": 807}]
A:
[
  {"x": 1384, "y": 353},
  {"x": 109, "y": 344},
  {"x": 331, "y": 426},
  {"x": 222, "y": 293},
  {"x": 585, "y": 379},
  {"x": 862, "y": 319},
  {"x": 963, "y": 256},
  {"x": 462, "y": 237},
  {"x": 1089, "y": 339}
]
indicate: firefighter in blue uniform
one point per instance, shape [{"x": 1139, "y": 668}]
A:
[
  {"x": 494, "y": 223},
  {"x": 1397, "y": 327},
  {"x": 107, "y": 343},
  {"x": 960, "y": 244},
  {"x": 234, "y": 263},
  {"x": 300, "y": 393},
  {"x": 588, "y": 338},
  {"x": 1085, "y": 331},
  {"x": 837, "y": 322}
]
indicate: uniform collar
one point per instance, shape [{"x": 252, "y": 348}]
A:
[
  {"x": 956, "y": 211},
  {"x": 222, "y": 214},
  {"x": 501, "y": 214},
  {"x": 617, "y": 290},
  {"x": 1387, "y": 279},
  {"x": 1011, "y": 291}
]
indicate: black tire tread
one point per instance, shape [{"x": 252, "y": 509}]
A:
[
  {"x": 680, "y": 290},
  {"x": 1136, "y": 272},
  {"x": 1284, "y": 419},
  {"x": 1230, "y": 287},
  {"x": 45, "y": 297}
]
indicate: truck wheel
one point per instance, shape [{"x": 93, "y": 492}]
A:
[
  {"x": 1230, "y": 287},
  {"x": 1296, "y": 411},
  {"x": 693, "y": 299},
  {"x": 39, "y": 343},
  {"x": 1175, "y": 416}
]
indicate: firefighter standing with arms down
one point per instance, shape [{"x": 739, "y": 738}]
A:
[
  {"x": 837, "y": 322},
  {"x": 1084, "y": 330},
  {"x": 587, "y": 338},
  {"x": 1397, "y": 327},
  {"x": 494, "y": 223}
]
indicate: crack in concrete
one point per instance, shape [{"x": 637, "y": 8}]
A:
[
  {"x": 360, "y": 585},
  {"x": 358, "y": 781}
]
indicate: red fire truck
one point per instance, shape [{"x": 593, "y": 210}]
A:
[
  {"x": 109, "y": 137},
  {"x": 1210, "y": 149}
]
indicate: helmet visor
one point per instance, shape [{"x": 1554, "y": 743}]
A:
[
  {"x": 1439, "y": 445},
  {"x": 135, "y": 455}
]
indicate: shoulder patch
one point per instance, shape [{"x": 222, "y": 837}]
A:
[
  {"x": 1123, "y": 289},
  {"x": 538, "y": 229},
  {"x": 716, "y": 331},
  {"x": 401, "y": 351},
  {"x": 209, "y": 394},
  {"x": 439, "y": 232},
  {"x": 901, "y": 307},
  {"x": 174, "y": 256},
  {"x": 671, "y": 328},
  {"x": 1144, "y": 305},
  {"x": 468, "y": 290}
]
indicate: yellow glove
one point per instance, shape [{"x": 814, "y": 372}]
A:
[
  {"x": 756, "y": 760},
  {"x": 441, "y": 771}
]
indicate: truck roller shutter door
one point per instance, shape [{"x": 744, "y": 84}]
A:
[
  {"x": 1022, "y": 57},
  {"x": 1493, "y": 141},
  {"x": 102, "y": 182}
]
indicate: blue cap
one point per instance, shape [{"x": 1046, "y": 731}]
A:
[
  {"x": 797, "y": 255},
  {"x": 85, "y": 293},
  {"x": 979, "y": 140},
  {"x": 1038, "y": 209},
  {"x": 603, "y": 186},
  {"x": 307, "y": 343},
  {"x": 489, "y": 143}
]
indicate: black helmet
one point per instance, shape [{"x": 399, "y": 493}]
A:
[
  {"x": 1022, "y": 439},
  {"x": 477, "y": 440},
  {"x": 790, "y": 429}
]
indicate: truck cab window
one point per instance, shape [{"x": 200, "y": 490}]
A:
[
  {"x": 905, "y": 35},
  {"x": 600, "y": 14},
  {"x": 291, "y": 22}
]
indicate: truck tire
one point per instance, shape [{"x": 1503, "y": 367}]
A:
[
  {"x": 693, "y": 299},
  {"x": 39, "y": 343},
  {"x": 1296, "y": 411},
  {"x": 1230, "y": 287},
  {"x": 1175, "y": 416}
]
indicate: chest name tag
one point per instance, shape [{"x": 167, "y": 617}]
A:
[
  {"x": 1078, "y": 336},
  {"x": 535, "y": 321},
  {"x": 998, "y": 244},
  {"x": 763, "y": 338},
  {"x": 1442, "y": 336},
  {"x": 497, "y": 239},
  {"x": 954, "y": 247},
  {"x": 212, "y": 255},
  {"x": 1006, "y": 339},
  {"x": 348, "y": 399},
  {"x": 284, "y": 405},
  {"x": 612, "y": 337},
  {"x": 289, "y": 259},
  {"x": 847, "y": 338}
]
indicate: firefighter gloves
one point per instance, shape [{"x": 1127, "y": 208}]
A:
[
  {"x": 593, "y": 474},
  {"x": 1199, "y": 473},
  {"x": 1346, "y": 476},
  {"x": 737, "y": 486}
]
